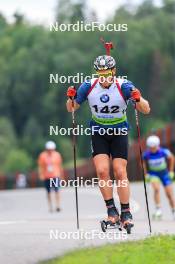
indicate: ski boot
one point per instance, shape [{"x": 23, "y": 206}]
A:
[
  {"x": 126, "y": 220},
  {"x": 158, "y": 214},
  {"x": 112, "y": 221}
]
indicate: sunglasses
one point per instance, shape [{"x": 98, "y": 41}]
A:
[{"x": 105, "y": 74}]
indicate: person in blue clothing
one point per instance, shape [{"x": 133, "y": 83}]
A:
[
  {"x": 108, "y": 98},
  {"x": 159, "y": 168}
]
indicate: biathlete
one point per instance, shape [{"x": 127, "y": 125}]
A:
[
  {"x": 159, "y": 168},
  {"x": 108, "y": 97}
]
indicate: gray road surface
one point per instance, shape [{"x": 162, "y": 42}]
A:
[{"x": 29, "y": 233}]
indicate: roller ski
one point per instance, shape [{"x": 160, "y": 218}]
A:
[
  {"x": 157, "y": 215},
  {"x": 126, "y": 221},
  {"x": 113, "y": 220}
]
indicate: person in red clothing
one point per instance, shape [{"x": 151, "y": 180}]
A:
[{"x": 51, "y": 172}]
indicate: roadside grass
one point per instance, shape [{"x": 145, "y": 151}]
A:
[{"x": 154, "y": 250}]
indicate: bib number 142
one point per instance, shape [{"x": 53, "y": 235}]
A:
[{"x": 106, "y": 109}]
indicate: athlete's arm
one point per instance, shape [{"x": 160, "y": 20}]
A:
[
  {"x": 61, "y": 168},
  {"x": 80, "y": 96},
  {"x": 130, "y": 92},
  {"x": 143, "y": 106},
  {"x": 171, "y": 162},
  {"x": 71, "y": 105},
  {"x": 40, "y": 167},
  {"x": 40, "y": 173},
  {"x": 145, "y": 163},
  {"x": 145, "y": 167}
]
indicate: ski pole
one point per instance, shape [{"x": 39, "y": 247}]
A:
[
  {"x": 75, "y": 161},
  {"x": 142, "y": 167}
]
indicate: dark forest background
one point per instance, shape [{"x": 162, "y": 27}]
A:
[{"x": 29, "y": 53}]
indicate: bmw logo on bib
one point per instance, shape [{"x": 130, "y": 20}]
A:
[{"x": 104, "y": 98}]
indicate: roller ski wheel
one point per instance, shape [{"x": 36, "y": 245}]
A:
[
  {"x": 126, "y": 221},
  {"x": 111, "y": 222},
  {"x": 103, "y": 226},
  {"x": 128, "y": 226}
]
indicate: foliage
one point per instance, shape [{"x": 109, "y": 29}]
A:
[
  {"x": 18, "y": 161},
  {"x": 29, "y": 53}
]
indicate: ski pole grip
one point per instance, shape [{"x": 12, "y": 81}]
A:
[{"x": 71, "y": 92}]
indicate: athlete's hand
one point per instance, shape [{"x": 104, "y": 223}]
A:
[
  {"x": 136, "y": 95},
  {"x": 41, "y": 177},
  {"x": 171, "y": 174},
  {"x": 71, "y": 92},
  {"x": 147, "y": 177}
]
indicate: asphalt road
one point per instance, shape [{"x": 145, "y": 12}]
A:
[{"x": 29, "y": 233}]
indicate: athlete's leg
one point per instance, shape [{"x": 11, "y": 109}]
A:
[
  {"x": 101, "y": 157},
  {"x": 168, "y": 186},
  {"x": 119, "y": 152},
  {"x": 49, "y": 201},
  {"x": 155, "y": 182},
  {"x": 156, "y": 193},
  {"x": 48, "y": 189},
  {"x": 119, "y": 167},
  {"x": 102, "y": 165},
  {"x": 120, "y": 173},
  {"x": 57, "y": 199},
  {"x": 57, "y": 193},
  {"x": 170, "y": 195}
]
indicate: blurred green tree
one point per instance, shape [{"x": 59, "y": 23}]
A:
[
  {"x": 18, "y": 160},
  {"x": 29, "y": 53}
]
